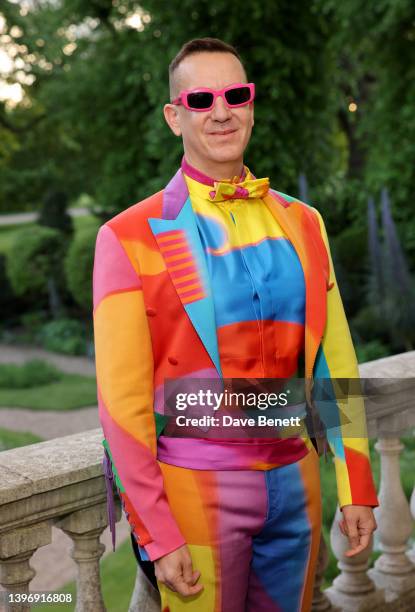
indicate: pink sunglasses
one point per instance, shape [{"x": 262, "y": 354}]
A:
[{"x": 203, "y": 99}]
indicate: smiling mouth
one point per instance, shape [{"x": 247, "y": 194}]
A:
[{"x": 225, "y": 133}]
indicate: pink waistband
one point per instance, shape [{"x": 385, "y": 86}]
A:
[{"x": 207, "y": 454}]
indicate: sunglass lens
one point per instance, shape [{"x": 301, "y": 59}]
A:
[
  {"x": 199, "y": 100},
  {"x": 238, "y": 95}
]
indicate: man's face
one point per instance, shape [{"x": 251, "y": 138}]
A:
[{"x": 221, "y": 134}]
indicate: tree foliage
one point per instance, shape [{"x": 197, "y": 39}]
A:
[
  {"x": 335, "y": 98},
  {"x": 95, "y": 114}
]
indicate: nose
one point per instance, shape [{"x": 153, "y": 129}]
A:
[{"x": 220, "y": 112}]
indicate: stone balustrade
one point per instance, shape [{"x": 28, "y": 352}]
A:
[{"x": 60, "y": 483}]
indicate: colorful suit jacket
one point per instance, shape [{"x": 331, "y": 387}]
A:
[{"x": 154, "y": 320}]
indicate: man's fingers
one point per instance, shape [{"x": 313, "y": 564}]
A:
[
  {"x": 357, "y": 542},
  {"x": 342, "y": 527},
  {"x": 185, "y": 590},
  {"x": 169, "y": 584},
  {"x": 188, "y": 571},
  {"x": 352, "y": 534},
  {"x": 195, "y": 577},
  {"x": 364, "y": 542},
  {"x": 353, "y": 551}
]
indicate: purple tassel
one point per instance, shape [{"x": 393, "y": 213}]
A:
[{"x": 109, "y": 478}]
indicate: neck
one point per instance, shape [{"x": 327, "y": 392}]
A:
[{"x": 217, "y": 170}]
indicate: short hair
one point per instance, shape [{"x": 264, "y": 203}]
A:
[{"x": 200, "y": 45}]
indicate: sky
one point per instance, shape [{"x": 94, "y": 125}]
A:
[{"x": 13, "y": 93}]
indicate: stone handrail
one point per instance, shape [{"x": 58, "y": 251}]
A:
[
  {"x": 390, "y": 584},
  {"x": 60, "y": 482}
]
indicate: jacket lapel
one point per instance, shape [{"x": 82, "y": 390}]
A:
[
  {"x": 302, "y": 230},
  {"x": 178, "y": 239}
]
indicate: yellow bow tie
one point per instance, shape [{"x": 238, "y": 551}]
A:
[{"x": 230, "y": 190}]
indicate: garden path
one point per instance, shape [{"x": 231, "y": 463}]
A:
[{"x": 30, "y": 217}]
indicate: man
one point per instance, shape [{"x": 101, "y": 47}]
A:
[{"x": 218, "y": 276}]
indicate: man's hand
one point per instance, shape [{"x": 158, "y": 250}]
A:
[
  {"x": 175, "y": 570},
  {"x": 358, "y": 524}
]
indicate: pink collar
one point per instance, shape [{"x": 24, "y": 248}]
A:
[{"x": 199, "y": 176}]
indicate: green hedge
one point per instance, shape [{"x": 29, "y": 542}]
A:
[
  {"x": 33, "y": 258},
  {"x": 79, "y": 264}
]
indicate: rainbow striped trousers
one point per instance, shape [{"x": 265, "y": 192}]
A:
[{"x": 254, "y": 536}]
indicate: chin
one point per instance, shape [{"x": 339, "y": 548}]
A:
[{"x": 227, "y": 153}]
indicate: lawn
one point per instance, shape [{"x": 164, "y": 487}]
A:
[
  {"x": 70, "y": 392},
  {"x": 12, "y": 439}
]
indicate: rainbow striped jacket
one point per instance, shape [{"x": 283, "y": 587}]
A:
[{"x": 150, "y": 326}]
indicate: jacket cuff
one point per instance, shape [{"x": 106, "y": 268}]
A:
[{"x": 155, "y": 550}]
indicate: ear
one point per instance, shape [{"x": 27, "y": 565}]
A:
[{"x": 172, "y": 118}]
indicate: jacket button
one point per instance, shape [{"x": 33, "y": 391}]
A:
[
  {"x": 150, "y": 312},
  {"x": 172, "y": 360}
]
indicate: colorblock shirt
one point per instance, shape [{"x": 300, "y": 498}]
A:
[{"x": 258, "y": 290}]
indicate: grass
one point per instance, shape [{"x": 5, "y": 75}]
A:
[
  {"x": 71, "y": 392},
  {"x": 32, "y": 373},
  {"x": 12, "y": 439},
  {"x": 118, "y": 572}
]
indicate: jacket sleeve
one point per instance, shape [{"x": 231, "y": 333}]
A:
[
  {"x": 336, "y": 359},
  {"x": 124, "y": 367}
]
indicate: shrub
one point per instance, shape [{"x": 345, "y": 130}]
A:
[
  {"x": 54, "y": 213},
  {"x": 7, "y": 297},
  {"x": 79, "y": 264},
  {"x": 64, "y": 336},
  {"x": 33, "y": 259},
  {"x": 368, "y": 325},
  {"x": 30, "y": 374},
  {"x": 371, "y": 350}
]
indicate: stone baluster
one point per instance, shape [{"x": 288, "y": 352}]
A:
[
  {"x": 321, "y": 603},
  {"x": 352, "y": 590},
  {"x": 84, "y": 527},
  {"x": 16, "y": 548},
  {"x": 145, "y": 597},
  {"x": 393, "y": 571}
]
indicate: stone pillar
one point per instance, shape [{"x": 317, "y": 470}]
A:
[
  {"x": 352, "y": 590},
  {"x": 321, "y": 603},
  {"x": 16, "y": 549},
  {"x": 145, "y": 597},
  {"x": 84, "y": 527},
  {"x": 393, "y": 571}
]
